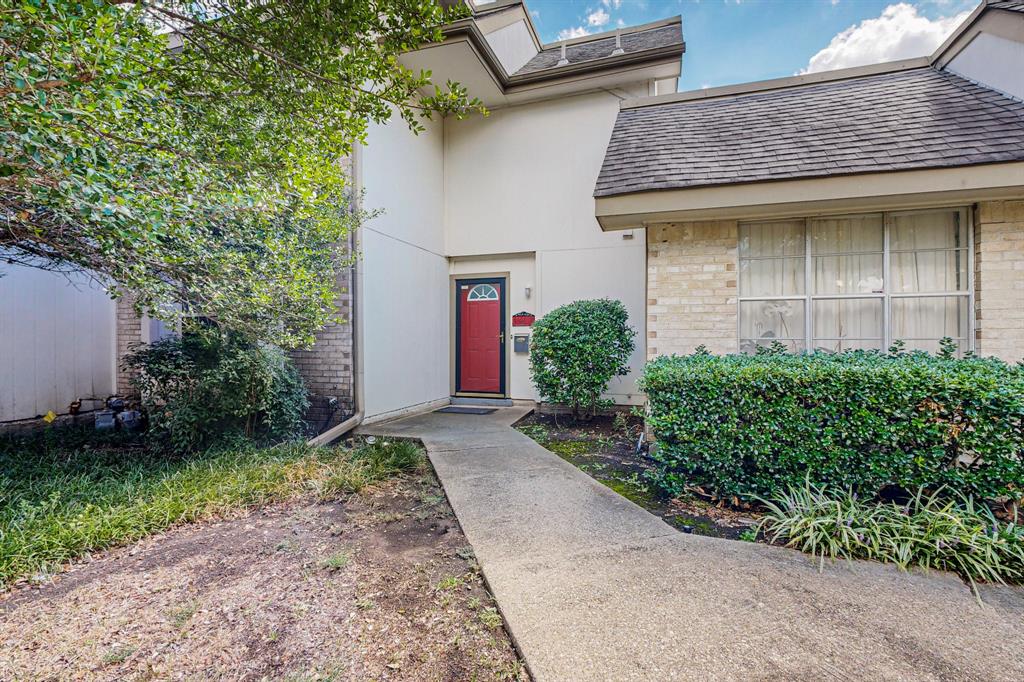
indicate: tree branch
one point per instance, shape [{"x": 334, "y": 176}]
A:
[{"x": 51, "y": 84}]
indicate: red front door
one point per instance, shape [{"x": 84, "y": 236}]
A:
[{"x": 480, "y": 351}]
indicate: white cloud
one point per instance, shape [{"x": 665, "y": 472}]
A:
[
  {"x": 574, "y": 32},
  {"x": 614, "y": 4},
  {"x": 898, "y": 33},
  {"x": 597, "y": 18}
]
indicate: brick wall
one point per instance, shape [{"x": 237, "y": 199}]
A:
[
  {"x": 691, "y": 287},
  {"x": 999, "y": 279},
  {"x": 326, "y": 367},
  {"x": 129, "y": 332}
]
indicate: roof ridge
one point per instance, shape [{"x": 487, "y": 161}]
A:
[
  {"x": 784, "y": 83},
  {"x": 604, "y": 35},
  {"x": 661, "y": 40}
]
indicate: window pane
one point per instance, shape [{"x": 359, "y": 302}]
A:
[
  {"x": 785, "y": 238},
  {"x": 936, "y": 230},
  {"x": 848, "y": 234},
  {"x": 860, "y": 274},
  {"x": 932, "y": 346},
  {"x": 772, "y": 277},
  {"x": 751, "y": 345},
  {"x": 927, "y": 271},
  {"x": 929, "y": 318},
  {"x": 848, "y": 318},
  {"x": 839, "y": 345},
  {"x": 768, "y": 320}
]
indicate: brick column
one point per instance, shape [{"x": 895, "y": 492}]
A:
[
  {"x": 326, "y": 366},
  {"x": 129, "y": 333},
  {"x": 999, "y": 279},
  {"x": 692, "y": 287}
]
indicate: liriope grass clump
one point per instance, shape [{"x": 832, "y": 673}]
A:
[
  {"x": 932, "y": 530},
  {"x": 59, "y": 502}
]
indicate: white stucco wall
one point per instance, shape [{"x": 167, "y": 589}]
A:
[
  {"x": 405, "y": 272},
  {"x": 993, "y": 61},
  {"x": 513, "y": 46},
  {"x": 522, "y": 181},
  {"x": 617, "y": 272}
]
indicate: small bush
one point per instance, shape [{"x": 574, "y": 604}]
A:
[
  {"x": 747, "y": 426},
  {"x": 576, "y": 349},
  {"x": 931, "y": 531},
  {"x": 209, "y": 387}
]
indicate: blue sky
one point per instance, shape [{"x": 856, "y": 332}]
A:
[{"x": 733, "y": 41}]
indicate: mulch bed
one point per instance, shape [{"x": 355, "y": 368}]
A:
[
  {"x": 383, "y": 586},
  {"x": 605, "y": 448}
]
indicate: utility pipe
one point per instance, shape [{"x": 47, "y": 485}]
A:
[{"x": 356, "y": 288}]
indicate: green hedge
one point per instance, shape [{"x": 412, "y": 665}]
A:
[{"x": 757, "y": 425}]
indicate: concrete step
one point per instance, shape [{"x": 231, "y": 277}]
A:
[{"x": 483, "y": 402}]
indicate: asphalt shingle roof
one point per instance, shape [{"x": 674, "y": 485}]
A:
[
  {"x": 1011, "y": 5},
  {"x": 916, "y": 119},
  {"x": 640, "y": 41}
]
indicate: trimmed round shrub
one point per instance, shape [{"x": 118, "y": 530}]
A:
[
  {"x": 576, "y": 349},
  {"x": 210, "y": 386},
  {"x": 758, "y": 425}
]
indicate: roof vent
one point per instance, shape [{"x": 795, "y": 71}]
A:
[
  {"x": 618, "y": 43},
  {"x": 564, "y": 60}
]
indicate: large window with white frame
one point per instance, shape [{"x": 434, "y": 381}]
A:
[{"x": 857, "y": 281}]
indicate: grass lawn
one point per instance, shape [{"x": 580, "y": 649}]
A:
[{"x": 66, "y": 493}]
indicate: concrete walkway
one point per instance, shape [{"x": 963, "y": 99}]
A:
[{"x": 595, "y": 588}]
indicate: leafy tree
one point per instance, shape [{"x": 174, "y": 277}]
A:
[
  {"x": 191, "y": 151},
  {"x": 576, "y": 349}
]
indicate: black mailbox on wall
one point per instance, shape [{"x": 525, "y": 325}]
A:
[{"x": 521, "y": 343}]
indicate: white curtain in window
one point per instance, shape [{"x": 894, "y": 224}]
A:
[
  {"x": 847, "y": 254},
  {"x": 772, "y": 258},
  {"x": 844, "y": 292},
  {"x": 847, "y": 257},
  {"x": 845, "y": 323},
  {"x": 762, "y": 322},
  {"x": 928, "y": 255}
]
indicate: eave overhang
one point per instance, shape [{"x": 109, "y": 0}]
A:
[{"x": 813, "y": 196}]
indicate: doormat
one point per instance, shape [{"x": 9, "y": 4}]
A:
[{"x": 462, "y": 409}]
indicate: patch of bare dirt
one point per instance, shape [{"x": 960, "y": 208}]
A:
[
  {"x": 381, "y": 587},
  {"x": 606, "y": 449}
]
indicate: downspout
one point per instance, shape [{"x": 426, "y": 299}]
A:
[{"x": 356, "y": 288}]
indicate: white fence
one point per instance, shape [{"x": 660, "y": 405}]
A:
[{"x": 57, "y": 342}]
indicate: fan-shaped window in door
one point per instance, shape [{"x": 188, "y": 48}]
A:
[{"x": 482, "y": 292}]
